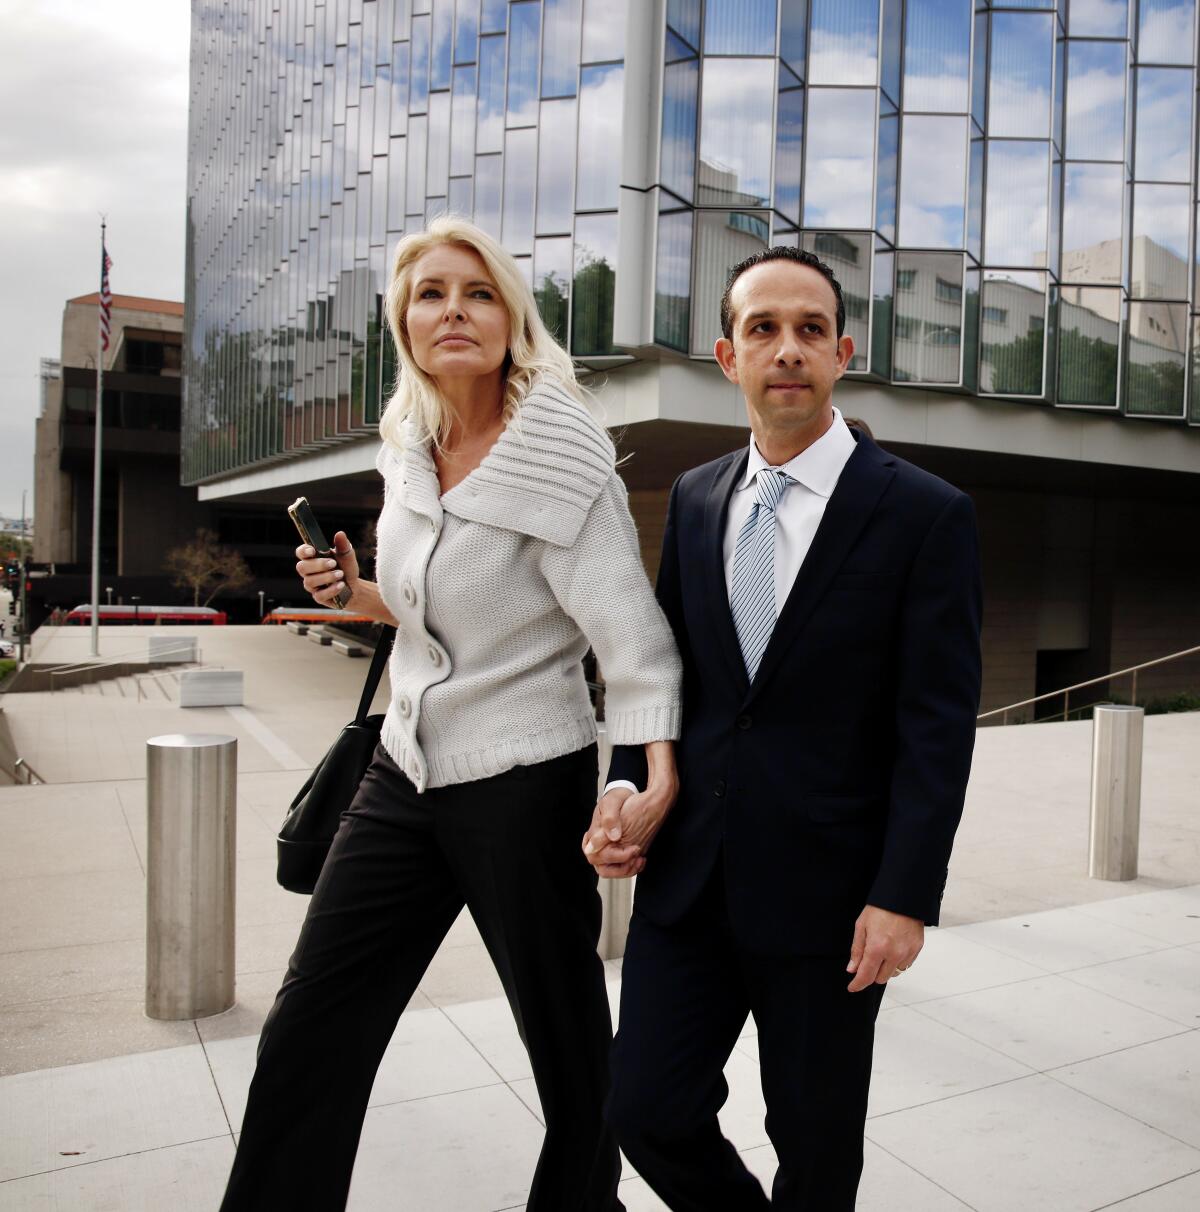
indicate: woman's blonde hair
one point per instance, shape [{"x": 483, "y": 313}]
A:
[{"x": 533, "y": 354}]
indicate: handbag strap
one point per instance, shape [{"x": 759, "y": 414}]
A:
[{"x": 383, "y": 649}]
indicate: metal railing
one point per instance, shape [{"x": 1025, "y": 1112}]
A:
[
  {"x": 1132, "y": 673},
  {"x": 133, "y": 657},
  {"x": 23, "y": 774}
]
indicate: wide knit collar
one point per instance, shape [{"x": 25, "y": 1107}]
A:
[{"x": 540, "y": 478}]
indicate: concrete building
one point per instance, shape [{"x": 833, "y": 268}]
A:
[{"x": 1006, "y": 194}]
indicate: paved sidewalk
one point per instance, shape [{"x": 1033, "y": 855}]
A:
[{"x": 1042, "y": 1054}]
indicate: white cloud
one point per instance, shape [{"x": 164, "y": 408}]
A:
[
  {"x": 94, "y": 104},
  {"x": 1165, "y": 35}
]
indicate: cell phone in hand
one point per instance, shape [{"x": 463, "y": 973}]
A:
[{"x": 305, "y": 521}]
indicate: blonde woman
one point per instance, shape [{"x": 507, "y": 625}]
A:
[{"x": 505, "y": 549}]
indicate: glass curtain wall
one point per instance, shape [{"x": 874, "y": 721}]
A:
[
  {"x": 320, "y": 132},
  {"x": 1007, "y": 190}
]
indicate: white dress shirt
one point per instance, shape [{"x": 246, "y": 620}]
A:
[{"x": 816, "y": 471}]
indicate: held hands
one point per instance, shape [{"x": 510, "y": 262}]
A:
[
  {"x": 624, "y": 824},
  {"x": 885, "y": 944},
  {"x": 323, "y": 577}
]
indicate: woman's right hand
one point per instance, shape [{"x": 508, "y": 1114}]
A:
[{"x": 322, "y": 576}]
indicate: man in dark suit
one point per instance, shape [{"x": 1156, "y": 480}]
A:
[{"x": 826, "y": 601}]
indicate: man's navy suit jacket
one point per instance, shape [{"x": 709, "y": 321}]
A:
[{"x": 836, "y": 779}]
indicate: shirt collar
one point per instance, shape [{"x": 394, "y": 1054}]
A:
[{"x": 817, "y": 467}]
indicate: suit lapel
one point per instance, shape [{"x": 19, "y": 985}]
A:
[
  {"x": 862, "y": 482},
  {"x": 716, "y": 593}
]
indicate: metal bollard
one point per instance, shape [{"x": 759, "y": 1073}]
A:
[
  {"x": 1116, "y": 792},
  {"x": 191, "y": 828},
  {"x": 616, "y": 896}
]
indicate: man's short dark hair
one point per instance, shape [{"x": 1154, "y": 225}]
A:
[{"x": 781, "y": 252}]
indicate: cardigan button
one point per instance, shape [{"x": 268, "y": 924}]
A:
[
  {"x": 435, "y": 655},
  {"x": 433, "y": 525},
  {"x": 405, "y": 706},
  {"x": 410, "y": 594}
]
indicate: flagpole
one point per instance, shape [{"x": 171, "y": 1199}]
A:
[{"x": 96, "y": 459}]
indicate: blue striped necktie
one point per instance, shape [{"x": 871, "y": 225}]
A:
[{"x": 752, "y": 596}]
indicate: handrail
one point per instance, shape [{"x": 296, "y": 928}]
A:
[
  {"x": 1133, "y": 671},
  {"x": 63, "y": 670},
  {"x": 166, "y": 673},
  {"x": 31, "y": 775}
]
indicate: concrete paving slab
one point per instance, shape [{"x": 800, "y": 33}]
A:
[
  {"x": 184, "y": 1178},
  {"x": 1183, "y": 1195},
  {"x": 1172, "y": 916},
  {"x": 1032, "y": 1145},
  {"x": 77, "y": 1114},
  {"x": 1157, "y": 1083},
  {"x": 1166, "y": 983},
  {"x": 1049, "y": 1021}
]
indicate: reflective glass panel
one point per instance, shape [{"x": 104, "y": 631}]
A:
[
  {"x": 1098, "y": 18},
  {"x": 839, "y": 158},
  {"x": 844, "y": 45},
  {"x": 1096, "y": 100},
  {"x": 1089, "y": 332},
  {"x": 490, "y": 131},
  {"x": 789, "y": 140},
  {"x": 492, "y": 17},
  {"x": 593, "y": 286},
  {"x": 438, "y": 170},
  {"x": 462, "y": 126},
  {"x": 1155, "y": 367},
  {"x": 488, "y": 187},
  {"x": 933, "y": 181},
  {"x": 735, "y": 132},
  {"x": 441, "y": 45},
  {"x": 979, "y": 70},
  {"x": 399, "y": 97},
  {"x": 739, "y": 27},
  {"x": 466, "y": 30},
  {"x": 848, "y": 254},
  {"x": 556, "y": 158},
  {"x": 603, "y": 30},
  {"x": 723, "y": 238},
  {"x": 600, "y": 103},
  {"x": 672, "y": 280},
  {"x": 885, "y": 188},
  {"x": 937, "y": 56},
  {"x": 975, "y": 197},
  {"x": 560, "y": 48},
  {"x": 1163, "y": 139},
  {"x": 1194, "y": 413},
  {"x": 460, "y": 200},
  {"x": 891, "y": 49},
  {"x": 1160, "y": 241},
  {"x": 683, "y": 16},
  {"x": 552, "y": 283},
  {"x": 1093, "y": 202},
  {"x": 1165, "y": 31},
  {"x": 929, "y": 310},
  {"x": 1012, "y": 330},
  {"x": 1021, "y": 74},
  {"x": 881, "y": 312},
  {"x": 793, "y": 34},
  {"x": 678, "y": 149},
  {"x": 418, "y": 77},
  {"x": 1018, "y": 183},
  {"x": 523, "y": 32},
  {"x": 417, "y": 139},
  {"x": 396, "y": 199},
  {"x": 520, "y": 174}
]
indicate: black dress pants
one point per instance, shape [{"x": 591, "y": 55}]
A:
[
  {"x": 401, "y": 868},
  {"x": 686, "y": 990}
]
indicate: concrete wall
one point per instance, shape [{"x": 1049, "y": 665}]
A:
[
  {"x": 155, "y": 515},
  {"x": 53, "y": 503}
]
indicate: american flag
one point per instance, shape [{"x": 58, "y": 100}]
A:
[{"x": 105, "y": 297}]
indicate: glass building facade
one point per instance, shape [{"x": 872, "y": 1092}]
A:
[{"x": 1007, "y": 192}]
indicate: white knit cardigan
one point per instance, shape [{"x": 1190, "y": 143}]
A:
[{"x": 499, "y": 587}]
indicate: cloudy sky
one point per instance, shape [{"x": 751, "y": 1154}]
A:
[{"x": 93, "y": 118}]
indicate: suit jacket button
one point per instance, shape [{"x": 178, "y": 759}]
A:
[
  {"x": 744, "y": 722},
  {"x": 719, "y": 788}
]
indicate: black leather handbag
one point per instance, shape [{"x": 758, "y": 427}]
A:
[{"x": 312, "y": 820}]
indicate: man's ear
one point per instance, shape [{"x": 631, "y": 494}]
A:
[
  {"x": 844, "y": 354},
  {"x": 726, "y": 359}
]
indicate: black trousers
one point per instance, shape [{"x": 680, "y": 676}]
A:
[
  {"x": 686, "y": 990},
  {"x": 401, "y": 868}
]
